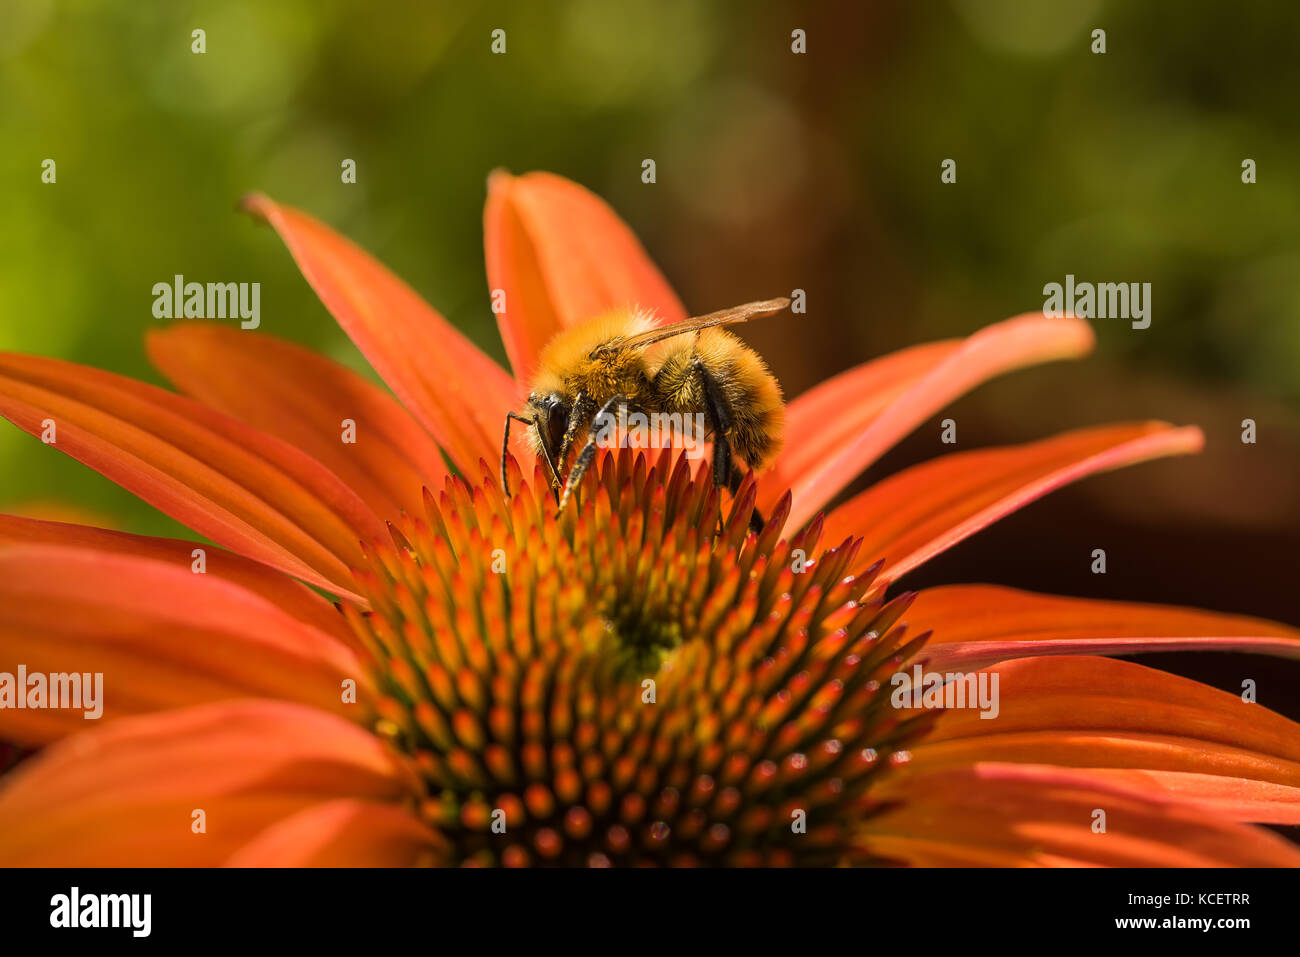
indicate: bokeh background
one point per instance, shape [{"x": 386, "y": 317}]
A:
[{"x": 775, "y": 171}]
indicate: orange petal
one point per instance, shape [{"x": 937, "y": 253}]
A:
[
  {"x": 126, "y": 793},
  {"x": 342, "y": 833},
  {"x": 914, "y": 515},
  {"x": 932, "y": 379},
  {"x": 279, "y": 589},
  {"x": 455, "y": 391},
  {"x": 992, "y": 814},
  {"x": 301, "y": 397},
  {"x": 830, "y": 415},
  {"x": 242, "y": 488},
  {"x": 160, "y": 636},
  {"x": 1237, "y": 799},
  {"x": 562, "y": 255},
  {"x": 1091, "y": 712},
  {"x": 978, "y": 625}
]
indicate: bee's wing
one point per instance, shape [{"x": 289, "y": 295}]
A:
[{"x": 724, "y": 317}]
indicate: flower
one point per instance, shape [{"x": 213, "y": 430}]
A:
[{"x": 640, "y": 681}]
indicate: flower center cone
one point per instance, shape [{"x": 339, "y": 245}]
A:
[{"x": 641, "y": 680}]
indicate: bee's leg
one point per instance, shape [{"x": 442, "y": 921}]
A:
[
  {"x": 588, "y": 453},
  {"x": 505, "y": 447},
  {"x": 505, "y": 451},
  {"x": 546, "y": 455},
  {"x": 583, "y": 407},
  {"x": 725, "y": 474},
  {"x": 550, "y": 466}
]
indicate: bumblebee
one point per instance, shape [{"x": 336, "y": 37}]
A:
[{"x": 623, "y": 363}]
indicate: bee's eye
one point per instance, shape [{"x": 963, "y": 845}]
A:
[{"x": 557, "y": 421}]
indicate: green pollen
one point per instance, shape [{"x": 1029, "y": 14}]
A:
[{"x": 645, "y": 628}]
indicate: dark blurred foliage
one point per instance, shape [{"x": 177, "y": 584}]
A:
[{"x": 775, "y": 171}]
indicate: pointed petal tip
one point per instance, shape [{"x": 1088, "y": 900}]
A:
[
  {"x": 159, "y": 339},
  {"x": 1157, "y": 438},
  {"x": 1192, "y": 438},
  {"x": 1073, "y": 336},
  {"x": 257, "y": 204}
]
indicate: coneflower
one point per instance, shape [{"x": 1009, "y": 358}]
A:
[{"x": 642, "y": 680}]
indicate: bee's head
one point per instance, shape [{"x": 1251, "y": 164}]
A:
[{"x": 551, "y": 412}]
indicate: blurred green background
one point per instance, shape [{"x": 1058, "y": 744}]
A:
[{"x": 775, "y": 171}]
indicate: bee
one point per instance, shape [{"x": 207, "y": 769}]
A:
[{"x": 623, "y": 363}]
